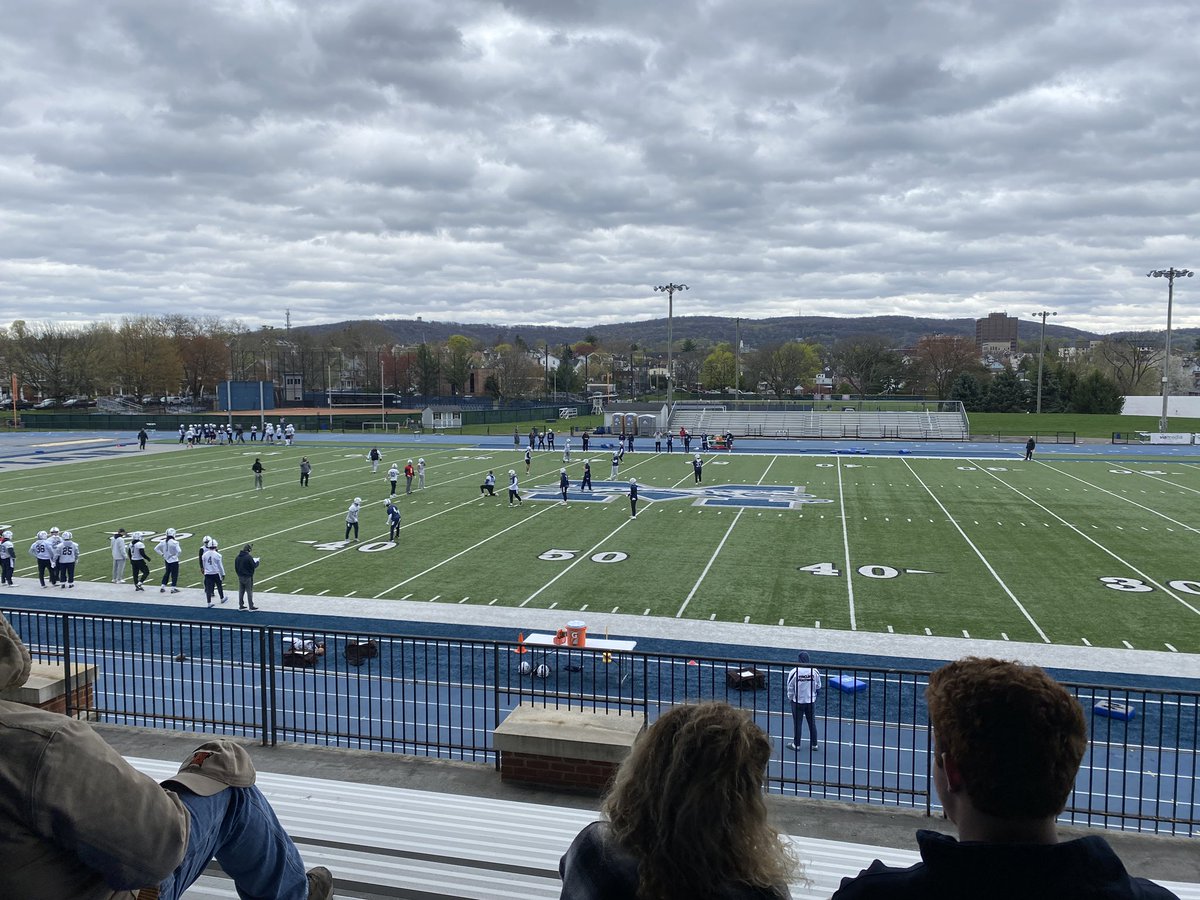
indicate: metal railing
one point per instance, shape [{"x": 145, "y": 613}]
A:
[{"x": 443, "y": 697}]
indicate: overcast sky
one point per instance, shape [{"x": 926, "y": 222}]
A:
[{"x": 550, "y": 161}]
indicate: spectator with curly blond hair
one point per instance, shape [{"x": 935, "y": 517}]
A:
[
  {"x": 1008, "y": 741},
  {"x": 685, "y": 817}
]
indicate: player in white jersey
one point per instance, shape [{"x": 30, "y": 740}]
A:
[
  {"x": 172, "y": 552},
  {"x": 66, "y": 555}
]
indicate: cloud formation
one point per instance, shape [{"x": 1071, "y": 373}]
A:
[{"x": 549, "y": 161}]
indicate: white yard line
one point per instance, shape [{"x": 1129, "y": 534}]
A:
[
  {"x": 846, "y": 547},
  {"x": 1096, "y": 543},
  {"x": 712, "y": 559},
  {"x": 353, "y": 546},
  {"x": 202, "y": 526},
  {"x": 1181, "y": 487},
  {"x": 1119, "y": 497},
  {"x": 207, "y": 526},
  {"x": 578, "y": 559},
  {"x": 46, "y": 496},
  {"x": 467, "y": 550},
  {"x": 982, "y": 558}
]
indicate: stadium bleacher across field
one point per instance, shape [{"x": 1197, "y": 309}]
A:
[{"x": 904, "y": 425}]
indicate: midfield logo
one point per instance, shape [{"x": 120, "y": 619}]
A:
[{"x": 755, "y": 496}]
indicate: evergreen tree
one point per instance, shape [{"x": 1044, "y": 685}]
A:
[
  {"x": 967, "y": 388},
  {"x": 1096, "y": 393},
  {"x": 1007, "y": 393}
]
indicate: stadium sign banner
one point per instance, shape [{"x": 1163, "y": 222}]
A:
[{"x": 1170, "y": 438}]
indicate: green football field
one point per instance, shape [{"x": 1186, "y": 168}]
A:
[{"x": 1066, "y": 552}]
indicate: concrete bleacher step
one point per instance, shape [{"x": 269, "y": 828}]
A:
[{"x": 387, "y": 842}]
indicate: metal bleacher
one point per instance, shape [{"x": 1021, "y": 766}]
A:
[
  {"x": 397, "y": 842},
  {"x": 878, "y": 424},
  {"x": 391, "y": 842}
]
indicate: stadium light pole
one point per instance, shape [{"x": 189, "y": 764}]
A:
[
  {"x": 1042, "y": 355},
  {"x": 1169, "y": 274},
  {"x": 669, "y": 289}
]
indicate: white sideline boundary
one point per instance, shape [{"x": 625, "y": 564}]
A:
[{"x": 398, "y": 842}]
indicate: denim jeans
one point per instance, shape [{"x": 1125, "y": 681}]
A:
[{"x": 240, "y": 829}]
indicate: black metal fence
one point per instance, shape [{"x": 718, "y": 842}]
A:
[{"x": 443, "y": 697}]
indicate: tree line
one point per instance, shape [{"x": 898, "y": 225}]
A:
[{"x": 165, "y": 355}]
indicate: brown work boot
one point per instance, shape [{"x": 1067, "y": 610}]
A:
[{"x": 320, "y": 883}]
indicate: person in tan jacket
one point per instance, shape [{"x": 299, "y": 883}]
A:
[{"x": 77, "y": 822}]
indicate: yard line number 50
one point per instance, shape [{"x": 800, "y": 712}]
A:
[
  {"x": 1135, "y": 586},
  {"x": 606, "y": 556}
]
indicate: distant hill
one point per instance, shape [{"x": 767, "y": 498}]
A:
[{"x": 903, "y": 331}]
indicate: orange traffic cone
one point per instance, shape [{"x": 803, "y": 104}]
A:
[{"x": 520, "y": 648}]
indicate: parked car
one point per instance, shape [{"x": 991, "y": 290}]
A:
[
  {"x": 48, "y": 403},
  {"x": 78, "y": 403}
]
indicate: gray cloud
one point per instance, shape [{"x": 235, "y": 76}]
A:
[{"x": 548, "y": 161}]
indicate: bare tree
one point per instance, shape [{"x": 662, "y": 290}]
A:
[
  {"x": 148, "y": 360},
  {"x": 43, "y": 357},
  {"x": 517, "y": 376},
  {"x": 940, "y": 359},
  {"x": 1129, "y": 363},
  {"x": 866, "y": 363}
]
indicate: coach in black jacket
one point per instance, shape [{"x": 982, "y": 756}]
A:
[{"x": 244, "y": 565}]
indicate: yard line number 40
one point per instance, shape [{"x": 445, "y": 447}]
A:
[{"x": 871, "y": 571}]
